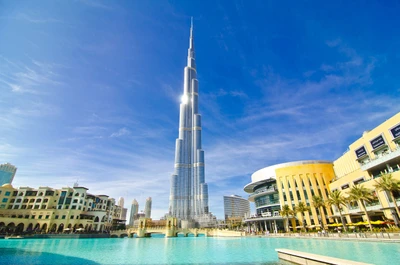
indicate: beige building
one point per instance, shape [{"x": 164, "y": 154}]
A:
[
  {"x": 288, "y": 184},
  {"x": 55, "y": 210},
  {"x": 376, "y": 152}
]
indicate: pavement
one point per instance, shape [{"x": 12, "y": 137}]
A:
[{"x": 372, "y": 237}]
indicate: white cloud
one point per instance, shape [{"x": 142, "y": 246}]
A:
[{"x": 120, "y": 132}]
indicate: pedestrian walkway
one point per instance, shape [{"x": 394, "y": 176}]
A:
[{"x": 375, "y": 237}]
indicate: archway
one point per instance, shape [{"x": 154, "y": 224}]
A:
[
  {"x": 44, "y": 228},
  {"x": 60, "y": 228},
  {"x": 20, "y": 228},
  {"x": 2, "y": 227},
  {"x": 10, "y": 228},
  {"x": 53, "y": 228},
  {"x": 96, "y": 219},
  {"x": 37, "y": 227},
  {"x": 69, "y": 226},
  {"x": 30, "y": 227}
]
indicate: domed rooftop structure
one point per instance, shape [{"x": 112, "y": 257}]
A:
[{"x": 7, "y": 185}]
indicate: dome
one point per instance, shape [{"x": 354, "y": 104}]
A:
[{"x": 7, "y": 185}]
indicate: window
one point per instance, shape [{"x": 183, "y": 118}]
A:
[
  {"x": 19, "y": 200},
  {"x": 12, "y": 200},
  {"x": 32, "y": 217},
  {"x": 38, "y": 200},
  {"x": 27, "y": 216},
  {"x": 47, "y": 216},
  {"x": 16, "y": 206},
  {"x": 63, "y": 217},
  {"x": 7, "y": 193},
  {"x": 72, "y": 217},
  {"x": 40, "y": 216},
  {"x": 4, "y": 200},
  {"x": 25, "y": 200},
  {"x": 73, "y": 207},
  {"x": 358, "y": 181},
  {"x": 9, "y": 207},
  {"x": 36, "y": 206},
  {"x": 345, "y": 186},
  {"x": 76, "y": 201},
  {"x": 56, "y": 217},
  {"x": 43, "y": 207},
  {"x": 23, "y": 207},
  {"x": 30, "y": 206},
  {"x": 15, "y": 193},
  {"x": 32, "y": 200}
]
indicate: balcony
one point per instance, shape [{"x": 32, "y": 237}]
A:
[
  {"x": 381, "y": 160},
  {"x": 262, "y": 192}
]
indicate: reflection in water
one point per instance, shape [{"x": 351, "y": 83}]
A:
[
  {"x": 21, "y": 256},
  {"x": 185, "y": 250}
]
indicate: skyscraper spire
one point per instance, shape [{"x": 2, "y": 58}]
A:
[
  {"x": 191, "y": 55},
  {"x": 189, "y": 192}
]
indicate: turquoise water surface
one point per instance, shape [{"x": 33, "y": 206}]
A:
[{"x": 186, "y": 250}]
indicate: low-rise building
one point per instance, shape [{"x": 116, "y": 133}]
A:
[
  {"x": 289, "y": 184},
  {"x": 375, "y": 153},
  {"x": 55, "y": 210}
]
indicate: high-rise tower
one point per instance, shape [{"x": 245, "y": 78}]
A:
[
  {"x": 189, "y": 192},
  {"x": 134, "y": 212},
  {"x": 7, "y": 173},
  {"x": 147, "y": 208}
]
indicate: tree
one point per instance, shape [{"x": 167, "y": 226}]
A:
[
  {"x": 319, "y": 203},
  {"x": 390, "y": 185},
  {"x": 361, "y": 194},
  {"x": 285, "y": 212},
  {"x": 301, "y": 207},
  {"x": 338, "y": 200}
]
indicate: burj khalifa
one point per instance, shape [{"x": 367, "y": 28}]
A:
[{"x": 189, "y": 192}]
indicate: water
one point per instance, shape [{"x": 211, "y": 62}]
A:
[{"x": 186, "y": 250}]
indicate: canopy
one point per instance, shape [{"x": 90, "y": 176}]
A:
[
  {"x": 335, "y": 225},
  {"x": 379, "y": 222},
  {"x": 361, "y": 223},
  {"x": 80, "y": 229}
]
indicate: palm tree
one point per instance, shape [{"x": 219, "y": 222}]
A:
[
  {"x": 319, "y": 203},
  {"x": 301, "y": 207},
  {"x": 361, "y": 194},
  {"x": 285, "y": 212},
  {"x": 388, "y": 184},
  {"x": 338, "y": 200}
]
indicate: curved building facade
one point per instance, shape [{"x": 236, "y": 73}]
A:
[{"x": 289, "y": 184}]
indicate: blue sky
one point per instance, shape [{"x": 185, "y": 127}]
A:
[{"x": 90, "y": 90}]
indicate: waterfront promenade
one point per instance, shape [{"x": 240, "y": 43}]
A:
[{"x": 371, "y": 237}]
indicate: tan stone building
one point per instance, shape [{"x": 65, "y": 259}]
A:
[
  {"x": 375, "y": 153},
  {"x": 55, "y": 210}
]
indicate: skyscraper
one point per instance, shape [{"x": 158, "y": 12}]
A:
[
  {"x": 7, "y": 173},
  {"x": 236, "y": 206},
  {"x": 189, "y": 192},
  {"x": 147, "y": 208},
  {"x": 134, "y": 211}
]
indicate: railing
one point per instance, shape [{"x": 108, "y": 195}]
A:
[{"x": 381, "y": 159}]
